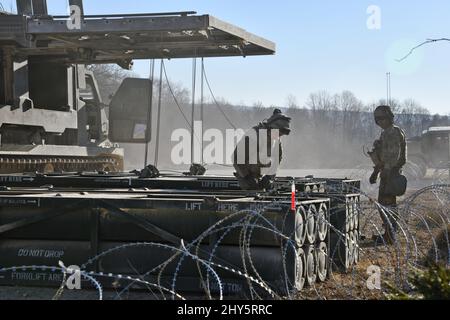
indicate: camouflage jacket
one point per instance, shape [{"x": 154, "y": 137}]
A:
[
  {"x": 392, "y": 151},
  {"x": 248, "y": 151}
]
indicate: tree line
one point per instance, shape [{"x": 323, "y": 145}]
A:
[{"x": 328, "y": 131}]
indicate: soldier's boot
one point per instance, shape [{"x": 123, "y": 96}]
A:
[
  {"x": 390, "y": 220},
  {"x": 389, "y": 236},
  {"x": 385, "y": 239},
  {"x": 391, "y": 226}
]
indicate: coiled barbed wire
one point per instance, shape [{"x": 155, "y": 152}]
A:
[{"x": 423, "y": 217}]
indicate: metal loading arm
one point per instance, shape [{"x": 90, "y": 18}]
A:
[{"x": 122, "y": 38}]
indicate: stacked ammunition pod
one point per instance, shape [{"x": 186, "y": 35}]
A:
[
  {"x": 312, "y": 235},
  {"x": 342, "y": 186},
  {"x": 229, "y": 230},
  {"x": 345, "y": 222},
  {"x": 316, "y": 244}
]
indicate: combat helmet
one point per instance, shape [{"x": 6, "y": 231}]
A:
[
  {"x": 382, "y": 112},
  {"x": 279, "y": 121}
]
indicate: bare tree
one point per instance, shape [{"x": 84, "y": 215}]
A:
[
  {"x": 411, "y": 116},
  {"x": 291, "y": 102},
  {"x": 320, "y": 104},
  {"x": 350, "y": 108},
  {"x": 428, "y": 41},
  {"x": 258, "y": 105}
]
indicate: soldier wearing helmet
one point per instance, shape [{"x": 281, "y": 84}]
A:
[
  {"x": 389, "y": 156},
  {"x": 258, "y": 154}
]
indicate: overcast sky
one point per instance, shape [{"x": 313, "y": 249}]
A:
[{"x": 321, "y": 45}]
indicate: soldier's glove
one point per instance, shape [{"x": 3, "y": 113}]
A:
[
  {"x": 374, "y": 177},
  {"x": 266, "y": 182},
  {"x": 149, "y": 172},
  {"x": 377, "y": 145},
  {"x": 375, "y": 157}
]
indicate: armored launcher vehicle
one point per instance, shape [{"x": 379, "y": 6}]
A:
[{"x": 51, "y": 115}]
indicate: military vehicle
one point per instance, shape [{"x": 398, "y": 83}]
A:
[
  {"x": 51, "y": 114},
  {"x": 431, "y": 150}
]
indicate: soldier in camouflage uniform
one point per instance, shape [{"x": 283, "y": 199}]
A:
[
  {"x": 389, "y": 156},
  {"x": 258, "y": 174}
]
